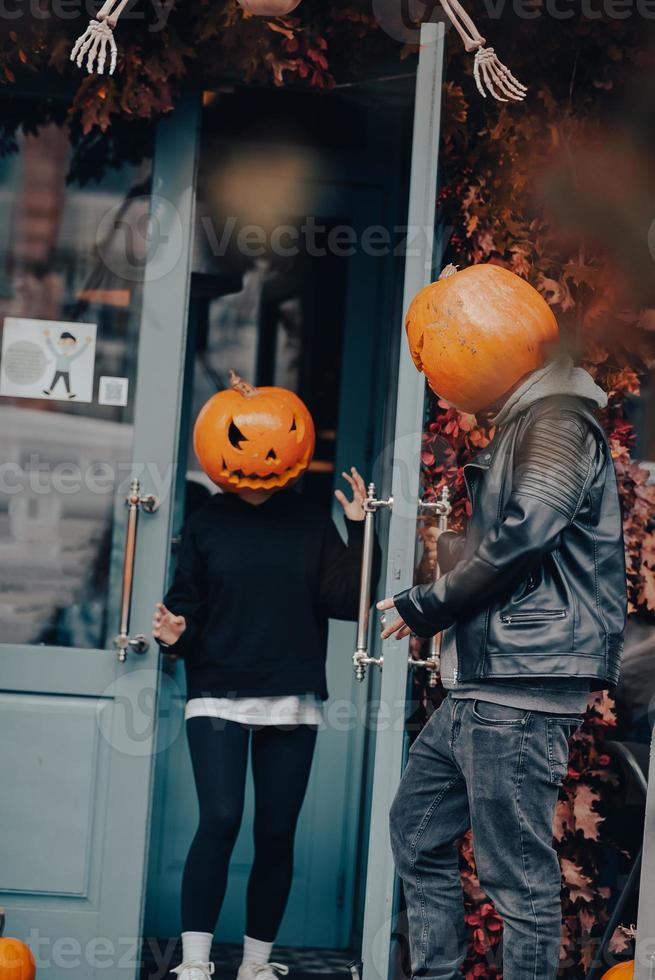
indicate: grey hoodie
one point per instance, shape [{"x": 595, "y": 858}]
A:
[
  {"x": 559, "y": 696},
  {"x": 558, "y": 377}
]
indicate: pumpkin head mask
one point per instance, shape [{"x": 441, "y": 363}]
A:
[
  {"x": 475, "y": 333},
  {"x": 249, "y": 438}
]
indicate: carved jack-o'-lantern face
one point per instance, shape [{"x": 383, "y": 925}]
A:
[{"x": 250, "y": 438}]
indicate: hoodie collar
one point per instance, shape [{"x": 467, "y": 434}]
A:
[{"x": 558, "y": 377}]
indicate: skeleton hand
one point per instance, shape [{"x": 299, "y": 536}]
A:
[
  {"x": 490, "y": 73},
  {"x": 93, "y": 43}
]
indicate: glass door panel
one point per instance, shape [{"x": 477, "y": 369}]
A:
[{"x": 71, "y": 287}]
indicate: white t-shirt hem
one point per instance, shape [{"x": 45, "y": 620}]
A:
[{"x": 305, "y": 709}]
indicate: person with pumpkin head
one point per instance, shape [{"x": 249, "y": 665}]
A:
[
  {"x": 259, "y": 573},
  {"x": 532, "y": 607}
]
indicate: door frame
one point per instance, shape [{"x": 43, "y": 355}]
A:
[{"x": 404, "y": 464}]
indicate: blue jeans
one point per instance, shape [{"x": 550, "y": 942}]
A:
[{"x": 496, "y": 770}]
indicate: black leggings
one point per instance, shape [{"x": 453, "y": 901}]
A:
[{"x": 281, "y": 762}]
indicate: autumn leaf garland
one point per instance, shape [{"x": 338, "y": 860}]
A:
[{"x": 163, "y": 45}]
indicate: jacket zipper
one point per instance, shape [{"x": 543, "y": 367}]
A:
[
  {"x": 510, "y": 619},
  {"x": 471, "y": 489}
]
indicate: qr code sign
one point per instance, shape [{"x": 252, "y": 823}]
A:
[{"x": 113, "y": 391}]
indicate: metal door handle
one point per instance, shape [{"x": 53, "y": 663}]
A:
[
  {"x": 432, "y": 663},
  {"x": 361, "y": 659},
  {"x": 135, "y": 502}
]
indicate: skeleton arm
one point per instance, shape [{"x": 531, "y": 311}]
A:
[
  {"x": 489, "y": 72},
  {"x": 98, "y": 39}
]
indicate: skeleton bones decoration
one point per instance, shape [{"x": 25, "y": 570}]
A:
[
  {"x": 488, "y": 70},
  {"x": 491, "y": 75},
  {"x": 99, "y": 36}
]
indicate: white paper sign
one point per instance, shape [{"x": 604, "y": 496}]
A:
[{"x": 48, "y": 359}]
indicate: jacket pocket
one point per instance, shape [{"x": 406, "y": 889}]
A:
[
  {"x": 532, "y": 617},
  {"x": 516, "y": 632}
]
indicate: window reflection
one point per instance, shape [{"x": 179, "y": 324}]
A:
[{"x": 65, "y": 257}]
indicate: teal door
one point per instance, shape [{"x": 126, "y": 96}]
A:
[{"x": 97, "y": 274}]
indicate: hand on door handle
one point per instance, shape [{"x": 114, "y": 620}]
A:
[
  {"x": 432, "y": 663},
  {"x": 135, "y": 502}
]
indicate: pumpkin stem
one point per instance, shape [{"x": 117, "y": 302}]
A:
[
  {"x": 2, "y": 921},
  {"x": 448, "y": 271},
  {"x": 243, "y": 387}
]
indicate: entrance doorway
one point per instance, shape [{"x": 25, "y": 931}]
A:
[{"x": 286, "y": 291}]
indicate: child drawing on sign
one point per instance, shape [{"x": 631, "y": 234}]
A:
[{"x": 64, "y": 357}]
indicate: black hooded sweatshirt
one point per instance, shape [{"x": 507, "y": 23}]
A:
[{"x": 257, "y": 585}]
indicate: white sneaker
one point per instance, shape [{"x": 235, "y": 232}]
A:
[
  {"x": 194, "y": 971},
  {"x": 262, "y": 971}
]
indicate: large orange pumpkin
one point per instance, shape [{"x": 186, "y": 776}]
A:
[
  {"x": 622, "y": 971},
  {"x": 16, "y": 959},
  {"x": 269, "y": 8},
  {"x": 475, "y": 333},
  {"x": 250, "y": 438}
]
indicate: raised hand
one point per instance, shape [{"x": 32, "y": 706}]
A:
[
  {"x": 353, "y": 509},
  {"x": 166, "y": 626}
]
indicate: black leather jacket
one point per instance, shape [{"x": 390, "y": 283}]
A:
[{"x": 537, "y": 588}]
